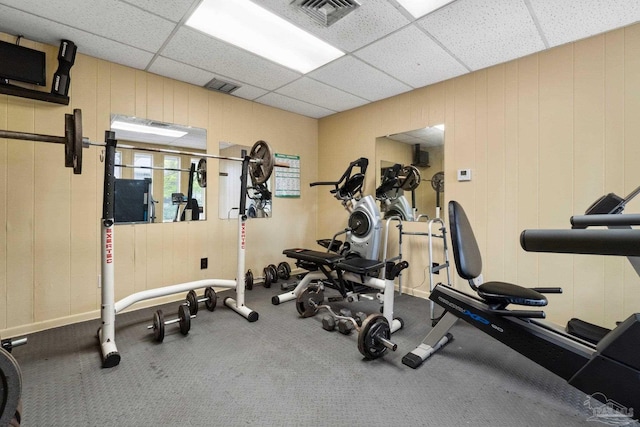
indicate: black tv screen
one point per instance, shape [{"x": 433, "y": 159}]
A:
[{"x": 22, "y": 64}]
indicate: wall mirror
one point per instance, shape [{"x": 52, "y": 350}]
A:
[
  {"x": 259, "y": 197},
  {"x": 422, "y": 148},
  {"x": 156, "y": 187}
]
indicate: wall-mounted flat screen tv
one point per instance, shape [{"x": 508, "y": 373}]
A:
[{"x": 22, "y": 64}]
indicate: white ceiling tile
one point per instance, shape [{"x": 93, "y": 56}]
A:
[
  {"x": 293, "y": 105},
  {"x": 108, "y": 18},
  {"x": 372, "y": 20},
  {"x": 197, "y": 49},
  {"x": 568, "y": 20},
  {"x": 483, "y": 33},
  {"x": 354, "y": 76},
  {"x": 321, "y": 94},
  {"x": 249, "y": 92},
  {"x": 173, "y": 10},
  {"x": 179, "y": 71},
  {"x": 412, "y": 57},
  {"x": 42, "y": 30}
]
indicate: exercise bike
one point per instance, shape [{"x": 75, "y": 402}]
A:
[{"x": 608, "y": 370}]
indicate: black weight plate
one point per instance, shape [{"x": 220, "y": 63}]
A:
[
  {"x": 11, "y": 381},
  {"x": 410, "y": 178},
  {"x": 185, "y": 319},
  {"x": 248, "y": 280},
  {"x": 77, "y": 141},
  {"x": 266, "y": 272},
  {"x": 192, "y": 300},
  {"x": 311, "y": 294},
  {"x": 202, "y": 173},
  {"x": 69, "y": 129},
  {"x": 260, "y": 172},
  {"x": 158, "y": 326},
  {"x": 274, "y": 273},
  {"x": 212, "y": 298},
  {"x": 374, "y": 325}
]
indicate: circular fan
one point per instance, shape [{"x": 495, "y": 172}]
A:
[{"x": 437, "y": 182}]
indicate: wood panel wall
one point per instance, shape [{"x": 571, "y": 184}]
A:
[
  {"x": 545, "y": 136},
  {"x": 49, "y": 218}
]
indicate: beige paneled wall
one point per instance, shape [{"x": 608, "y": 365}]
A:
[
  {"x": 545, "y": 136},
  {"x": 49, "y": 218}
]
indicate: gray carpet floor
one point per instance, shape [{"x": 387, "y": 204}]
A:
[{"x": 284, "y": 371}]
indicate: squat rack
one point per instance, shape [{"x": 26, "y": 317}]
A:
[{"x": 258, "y": 165}]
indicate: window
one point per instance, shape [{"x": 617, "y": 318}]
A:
[
  {"x": 142, "y": 159},
  {"x": 171, "y": 185},
  {"x": 117, "y": 172}
]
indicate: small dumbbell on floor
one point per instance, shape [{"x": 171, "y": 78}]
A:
[
  {"x": 183, "y": 319},
  {"x": 283, "y": 270},
  {"x": 269, "y": 275},
  {"x": 344, "y": 326},
  {"x": 210, "y": 299}
]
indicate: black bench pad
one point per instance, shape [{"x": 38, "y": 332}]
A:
[
  {"x": 502, "y": 292},
  {"x": 316, "y": 257},
  {"x": 360, "y": 265}
]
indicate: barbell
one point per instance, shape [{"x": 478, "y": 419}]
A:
[
  {"x": 201, "y": 170},
  {"x": 261, "y": 158}
]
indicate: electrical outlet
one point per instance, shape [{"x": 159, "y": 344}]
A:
[{"x": 204, "y": 263}]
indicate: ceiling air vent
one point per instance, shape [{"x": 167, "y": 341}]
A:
[
  {"x": 326, "y": 12},
  {"x": 221, "y": 86}
]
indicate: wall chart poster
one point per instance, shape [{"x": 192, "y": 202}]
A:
[{"x": 287, "y": 179}]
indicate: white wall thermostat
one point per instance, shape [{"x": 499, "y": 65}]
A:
[{"x": 464, "y": 174}]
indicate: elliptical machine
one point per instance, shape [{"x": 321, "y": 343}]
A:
[
  {"x": 353, "y": 267},
  {"x": 396, "y": 180}
]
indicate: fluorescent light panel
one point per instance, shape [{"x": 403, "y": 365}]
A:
[
  {"x": 250, "y": 27},
  {"x": 420, "y": 8},
  {"x": 132, "y": 127}
]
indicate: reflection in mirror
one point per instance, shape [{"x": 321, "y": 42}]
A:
[
  {"x": 259, "y": 196},
  {"x": 422, "y": 148},
  {"x": 156, "y": 186}
]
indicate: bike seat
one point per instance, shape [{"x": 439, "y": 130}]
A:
[{"x": 508, "y": 293}]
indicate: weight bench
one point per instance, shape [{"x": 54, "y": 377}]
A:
[{"x": 337, "y": 271}]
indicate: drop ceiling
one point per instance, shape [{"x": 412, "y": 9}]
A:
[{"x": 387, "y": 51}]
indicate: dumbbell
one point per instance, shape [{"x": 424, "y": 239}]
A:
[
  {"x": 283, "y": 270},
  {"x": 210, "y": 299},
  {"x": 269, "y": 273},
  {"x": 345, "y": 326},
  {"x": 359, "y": 316},
  {"x": 184, "y": 320},
  {"x": 329, "y": 322}
]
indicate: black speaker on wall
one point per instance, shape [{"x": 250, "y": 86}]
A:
[
  {"x": 66, "y": 59},
  {"x": 420, "y": 158}
]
